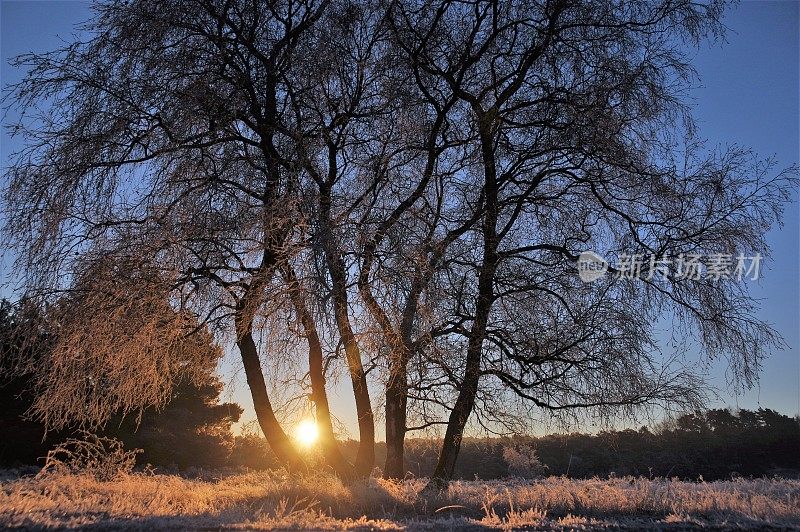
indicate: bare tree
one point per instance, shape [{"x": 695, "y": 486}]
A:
[
  {"x": 166, "y": 140},
  {"x": 574, "y": 109}
]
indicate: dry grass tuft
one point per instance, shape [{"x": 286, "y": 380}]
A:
[
  {"x": 274, "y": 500},
  {"x": 89, "y": 454}
]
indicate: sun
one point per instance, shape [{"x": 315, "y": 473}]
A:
[{"x": 307, "y": 432}]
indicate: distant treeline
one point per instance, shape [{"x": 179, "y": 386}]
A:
[
  {"x": 716, "y": 444},
  {"x": 193, "y": 431}
]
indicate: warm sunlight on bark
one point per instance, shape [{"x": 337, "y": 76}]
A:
[{"x": 307, "y": 432}]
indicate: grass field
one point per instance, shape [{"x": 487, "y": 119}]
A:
[{"x": 271, "y": 500}]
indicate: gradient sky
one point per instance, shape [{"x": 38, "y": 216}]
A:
[{"x": 747, "y": 95}]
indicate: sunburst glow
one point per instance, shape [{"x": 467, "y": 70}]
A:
[{"x": 307, "y": 432}]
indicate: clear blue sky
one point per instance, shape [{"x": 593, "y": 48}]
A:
[{"x": 747, "y": 95}]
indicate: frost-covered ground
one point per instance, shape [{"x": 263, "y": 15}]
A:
[{"x": 271, "y": 500}]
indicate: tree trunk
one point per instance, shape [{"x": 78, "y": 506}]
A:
[
  {"x": 365, "y": 458},
  {"x": 483, "y": 305},
  {"x": 456, "y": 424},
  {"x": 397, "y": 385},
  {"x": 468, "y": 390},
  {"x": 330, "y": 447},
  {"x": 396, "y": 403},
  {"x": 281, "y": 445}
]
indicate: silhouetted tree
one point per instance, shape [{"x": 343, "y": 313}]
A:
[
  {"x": 192, "y": 429},
  {"x": 169, "y": 163},
  {"x": 570, "y": 112}
]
